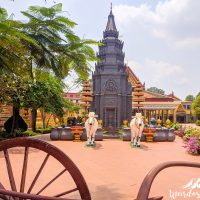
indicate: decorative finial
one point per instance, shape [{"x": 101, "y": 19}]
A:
[{"x": 111, "y": 6}]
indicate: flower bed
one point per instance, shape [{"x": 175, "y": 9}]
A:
[{"x": 191, "y": 140}]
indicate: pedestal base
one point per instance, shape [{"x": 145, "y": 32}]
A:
[{"x": 149, "y": 137}]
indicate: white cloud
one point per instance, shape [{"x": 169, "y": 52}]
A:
[
  {"x": 162, "y": 69},
  {"x": 176, "y": 21},
  {"x": 183, "y": 81},
  {"x": 188, "y": 42},
  {"x": 160, "y": 74},
  {"x": 162, "y": 43},
  {"x": 135, "y": 65}
]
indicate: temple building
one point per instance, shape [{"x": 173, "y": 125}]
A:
[
  {"x": 161, "y": 106},
  {"x": 112, "y": 100},
  {"x": 117, "y": 92}
]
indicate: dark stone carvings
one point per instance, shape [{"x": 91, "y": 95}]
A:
[
  {"x": 111, "y": 86},
  {"x": 112, "y": 100}
]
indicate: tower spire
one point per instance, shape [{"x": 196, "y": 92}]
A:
[{"x": 111, "y": 21}]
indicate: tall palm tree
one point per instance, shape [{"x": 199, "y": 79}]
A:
[
  {"x": 61, "y": 50},
  {"x": 58, "y": 48},
  {"x": 12, "y": 51},
  {"x": 12, "y": 61}
]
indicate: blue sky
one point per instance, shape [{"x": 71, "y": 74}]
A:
[{"x": 161, "y": 38}]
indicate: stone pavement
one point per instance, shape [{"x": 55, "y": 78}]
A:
[{"x": 113, "y": 170}]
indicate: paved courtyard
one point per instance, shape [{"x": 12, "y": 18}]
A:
[{"x": 112, "y": 170}]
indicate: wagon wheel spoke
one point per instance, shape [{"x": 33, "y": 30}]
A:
[
  {"x": 38, "y": 174},
  {"x": 67, "y": 192},
  {"x": 29, "y": 196},
  {"x": 1, "y": 195},
  {"x": 10, "y": 172},
  {"x": 50, "y": 150},
  {"x": 24, "y": 169},
  {"x": 52, "y": 180}
]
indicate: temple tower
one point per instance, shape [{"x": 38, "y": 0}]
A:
[{"x": 112, "y": 100}]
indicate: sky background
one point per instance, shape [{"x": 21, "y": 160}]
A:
[{"x": 161, "y": 37}]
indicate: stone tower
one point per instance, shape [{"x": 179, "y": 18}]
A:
[{"x": 112, "y": 100}]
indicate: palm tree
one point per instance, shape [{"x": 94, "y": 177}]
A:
[
  {"x": 58, "y": 49},
  {"x": 12, "y": 62},
  {"x": 11, "y": 49}
]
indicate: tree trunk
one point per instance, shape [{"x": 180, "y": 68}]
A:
[
  {"x": 16, "y": 109},
  {"x": 33, "y": 119},
  {"x": 49, "y": 120},
  {"x": 43, "y": 115}
]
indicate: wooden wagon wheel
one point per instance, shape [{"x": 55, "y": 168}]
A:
[
  {"x": 50, "y": 150},
  {"x": 148, "y": 180}
]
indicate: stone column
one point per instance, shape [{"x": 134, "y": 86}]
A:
[
  {"x": 167, "y": 114},
  {"x": 148, "y": 115},
  {"x": 159, "y": 114},
  {"x": 156, "y": 115},
  {"x": 163, "y": 116},
  {"x": 174, "y": 116},
  {"x": 145, "y": 114}
]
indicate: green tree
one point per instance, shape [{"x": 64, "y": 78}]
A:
[
  {"x": 12, "y": 91},
  {"x": 12, "y": 50},
  {"x": 12, "y": 63},
  {"x": 59, "y": 49},
  {"x": 156, "y": 90},
  {"x": 45, "y": 42},
  {"x": 198, "y": 95},
  {"x": 46, "y": 94},
  {"x": 196, "y": 107},
  {"x": 189, "y": 98}
]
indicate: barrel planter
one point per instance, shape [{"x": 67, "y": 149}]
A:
[
  {"x": 161, "y": 135},
  {"x": 60, "y": 132},
  {"x": 66, "y": 134},
  {"x": 126, "y": 136},
  {"x": 54, "y": 135},
  {"x": 171, "y": 135},
  {"x": 99, "y": 134}
]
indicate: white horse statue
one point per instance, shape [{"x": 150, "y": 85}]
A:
[
  {"x": 137, "y": 126},
  {"x": 91, "y": 126}
]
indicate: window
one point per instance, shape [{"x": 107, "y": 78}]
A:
[{"x": 188, "y": 107}]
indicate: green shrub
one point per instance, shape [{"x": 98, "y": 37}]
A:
[
  {"x": 44, "y": 130},
  {"x": 193, "y": 132},
  {"x": 175, "y": 125},
  {"x": 4, "y": 135},
  {"x": 29, "y": 133},
  {"x": 198, "y": 122},
  {"x": 18, "y": 132}
]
